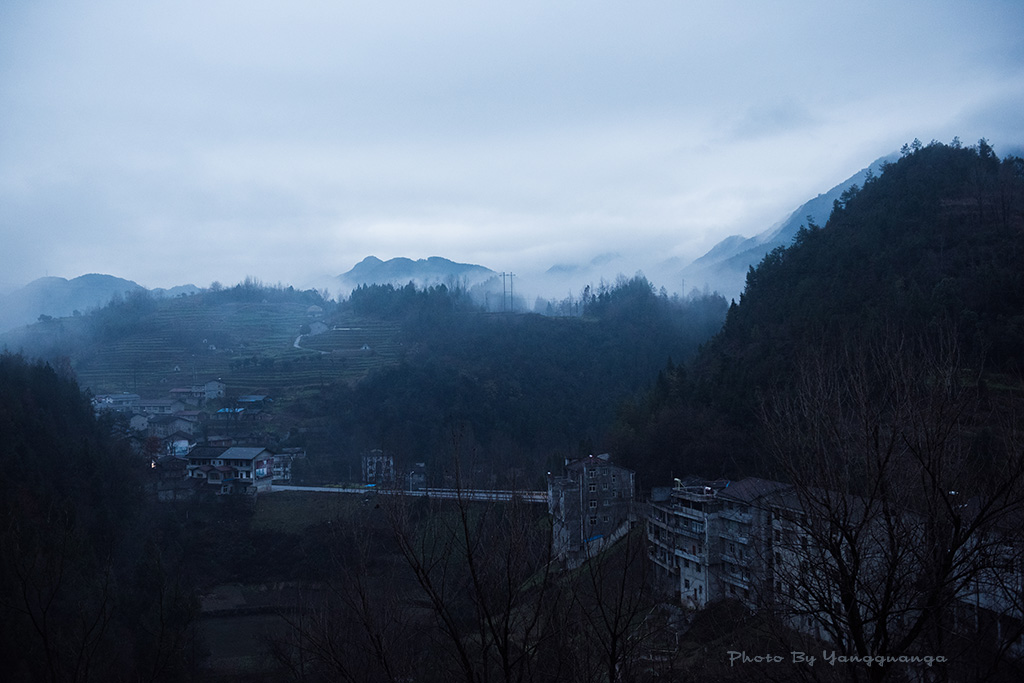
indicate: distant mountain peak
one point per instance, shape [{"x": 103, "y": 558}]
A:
[
  {"x": 60, "y": 297},
  {"x": 401, "y": 270}
]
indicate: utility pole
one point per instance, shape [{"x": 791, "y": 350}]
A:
[
  {"x": 512, "y": 293},
  {"x": 503, "y": 274}
]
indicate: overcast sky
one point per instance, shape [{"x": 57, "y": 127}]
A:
[{"x": 173, "y": 142}]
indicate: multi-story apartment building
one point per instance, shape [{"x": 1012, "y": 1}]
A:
[
  {"x": 761, "y": 542},
  {"x": 591, "y": 504},
  {"x": 707, "y": 539}
]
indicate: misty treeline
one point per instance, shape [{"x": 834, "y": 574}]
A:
[
  {"x": 92, "y": 586},
  {"x": 528, "y": 390}
]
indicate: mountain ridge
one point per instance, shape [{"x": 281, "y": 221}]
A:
[
  {"x": 925, "y": 256},
  {"x": 401, "y": 270},
  {"x": 724, "y": 267},
  {"x": 59, "y": 297}
]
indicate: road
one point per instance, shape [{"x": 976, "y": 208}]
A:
[{"x": 483, "y": 495}]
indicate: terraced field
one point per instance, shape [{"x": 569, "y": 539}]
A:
[{"x": 250, "y": 346}]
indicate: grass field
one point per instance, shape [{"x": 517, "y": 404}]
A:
[{"x": 293, "y": 511}]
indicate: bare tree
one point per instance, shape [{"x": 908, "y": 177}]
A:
[
  {"x": 610, "y": 605},
  {"x": 356, "y": 625},
  {"x": 901, "y": 529},
  {"x": 485, "y": 572}
]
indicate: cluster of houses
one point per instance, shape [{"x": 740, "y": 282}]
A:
[
  {"x": 174, "y": 425},
  {"x": 195, "y": 446}
]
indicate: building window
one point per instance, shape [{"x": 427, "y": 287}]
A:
[
  {"x": 686, "y": 583},
  {"x": 593, "y": 505},
  {"x": 606, "y": 519},
  {"x": 593, "y": 520},
  {"x": 592, "y": 488}
]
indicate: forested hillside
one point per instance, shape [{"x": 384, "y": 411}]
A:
[
  {"x": 518, "y": 390},
  {"x": 928, "y": 253},
  {"x": 403, "y": 369}
]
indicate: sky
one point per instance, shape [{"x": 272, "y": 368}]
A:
[{"x": 186, "y": 142}]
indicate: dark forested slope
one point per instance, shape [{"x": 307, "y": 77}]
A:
[
  {"x": 931, "y": 248},
  {"x": 86, "y": 591}
]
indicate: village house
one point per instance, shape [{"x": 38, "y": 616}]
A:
[
  {"x": 233, "y": 470},
  {"x": 121, "y": 403},
  {"x": 199, "y": 394},
  {"x": 139, "y": 423},
  {"x": 159, "y": 406},
  {"x": 170, "y": 481},
  {"x": 178, "y": 443},
  {"x": 186, "y": 395},
  {"x": 213, "y": 389},
  {"x": 162, "y": 426}
]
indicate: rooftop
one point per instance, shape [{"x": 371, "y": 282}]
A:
[{"x": 243, "y": 453}]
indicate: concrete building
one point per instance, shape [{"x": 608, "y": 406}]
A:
[
  {"x": 754, "y": 541},
  {"x": 708, "y": 539},
  {"x": 378, "y": 469},
  {"x": 591, "y": 504}
]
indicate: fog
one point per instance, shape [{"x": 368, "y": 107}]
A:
[{"x": 187, "y": 142}]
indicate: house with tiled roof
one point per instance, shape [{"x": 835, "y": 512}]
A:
[{"x": 237, "y": 469}]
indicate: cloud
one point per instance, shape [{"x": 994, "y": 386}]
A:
[{"x": 192, "y": 141}]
